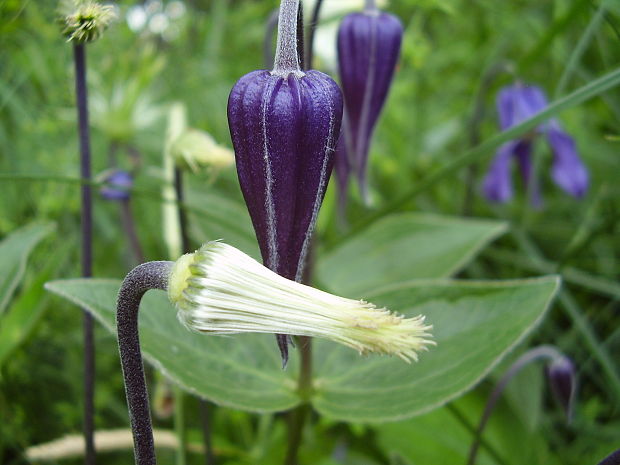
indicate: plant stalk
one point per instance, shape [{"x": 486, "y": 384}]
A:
[
  {"x": 79, "y": 56},
  {"x": 298, "y": 416},
  {"x": 542, "y": 352},
  {"x": 314, "y": 22},
  {"x": 129, "y": 226},
  {"x": 151, "y": 275}
]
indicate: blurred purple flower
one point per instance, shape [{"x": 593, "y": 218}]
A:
[
  {"x": 516, "y": 104},
  {"x": 561, "y": 375},
  {"x": 368, "y": 49},
  {"x": 117, "y": 186}
]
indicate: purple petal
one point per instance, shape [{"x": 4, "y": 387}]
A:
[
  {"x": 568, "y": 171},
  {"x": 368, "y": 49},
  {"x": 497, "y": 184},
  {"x": 118, "y": 186},
  {"x": 523, "y": 153},
  {"x": 518, "y": 103},
  {"x": 284, "y": 132}
]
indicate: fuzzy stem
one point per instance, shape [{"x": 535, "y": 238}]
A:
[
  {"x": 151, "y": 275},
  {"x": 287, "y": 59},
  {"x": 314, "y": 22},
  {"x": 370, "y": 5},
  {"x": 79, "y": 55},
  {"x": 542, "y": 352}
]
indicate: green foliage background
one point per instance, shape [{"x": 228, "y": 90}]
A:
[{"x": 430, "y": 119}]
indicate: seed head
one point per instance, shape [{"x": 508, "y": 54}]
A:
[{"x": 85, "y": 20}]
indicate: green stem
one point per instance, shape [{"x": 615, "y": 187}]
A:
[
  {"x": 297, "y": 417},
  {"x": 179, "y": 426}
]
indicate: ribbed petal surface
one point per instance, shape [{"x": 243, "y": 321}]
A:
[
  {"x": 368, "y": 49},
  {"x": 284, "y": 131}
]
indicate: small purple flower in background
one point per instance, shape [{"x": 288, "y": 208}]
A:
[
  {"x": 516, "y": 104},
  {"x": 368, "y": 49},
  {"x": 561, "y": 375},
  {"x": 117, "y": 186}
]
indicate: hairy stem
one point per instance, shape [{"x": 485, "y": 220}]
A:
[
  {"x": 542, "y": 352},
  {"x": 151, "y": 275},
  {"x": 79, "y": 56},
  {"x": 287, "y": 58}
]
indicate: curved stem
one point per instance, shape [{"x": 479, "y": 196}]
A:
[
  {"x": 287, "y": 59},
  {"x": 79, "y": 56},
  {"x": 151, "y": 275},
  {"x": 542, "y": 352},
  {"x": 314, "y": 22},
  {"x": 270, "y": 27}
]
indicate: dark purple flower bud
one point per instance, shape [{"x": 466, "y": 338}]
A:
[
  {"x": 561, "y": 375},
  {"x": 284, "y": 126},
  {"x": 368, "y": 49},
  {"x": 516, "y": 104},
  {"x": 117, "y": 186}
]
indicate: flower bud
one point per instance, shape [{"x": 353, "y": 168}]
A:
[
  {"x": 284, "y": 126},
  {"x": 368, "y": 49},
  {"x": 195, "y": 149},
  {"x": 85, "y": 20},
  {"x": 561, "y": 375},
  {"x": 117, "y": 186},
  {"x": 220, "y": 290}
]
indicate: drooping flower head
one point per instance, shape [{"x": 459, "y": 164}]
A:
[
  {"x": 284, "y": 126},
  {"x": 368, "y": 50},
  {"x": 515, "y": 104},
  {"x": 220, "y": 290}
]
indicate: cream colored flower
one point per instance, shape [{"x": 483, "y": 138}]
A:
[
  {"x": 220, "y": 290},
  {"x": 85, "y": 20}
]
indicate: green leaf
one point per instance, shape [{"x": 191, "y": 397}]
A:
[
  {"x": 241, "y": 372},
  {"x": 475, "y": 325},
  {"x": 401, "y": 248},
  {"x": 14, "y": 252},
  {"x": 216, "y": 216}
]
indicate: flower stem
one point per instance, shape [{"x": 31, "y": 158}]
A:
[
  {"x": 79, "y": 56},
  {"x": 314, "y": 22},
  {"x": 542, "y": 352},
  {"x": 270, "y": 27},
  {"x": 129, "y": 226},
  {"x": 287, "y": 58},
  {"x": 178, "y": 187},
  {"x": 151, "y": 275}
]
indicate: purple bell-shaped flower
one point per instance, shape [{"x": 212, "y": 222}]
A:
[
  {"x": 368, "y": 50},
  {"x": 284, "y": 126},
  {"x": 515, "y": 104}
]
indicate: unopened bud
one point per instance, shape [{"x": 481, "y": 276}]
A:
[
  {"x": 561, "y": 375},
  {"x": 196, "y": 149}
]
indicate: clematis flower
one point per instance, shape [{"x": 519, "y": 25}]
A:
[
  {"x": 368, "y": 49},
  {"x": 284, "y": 126},
  {"x": 515, "y": 104},
  {"x": 118, "y": 184},
  {"x": 220, "y": 290}
]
